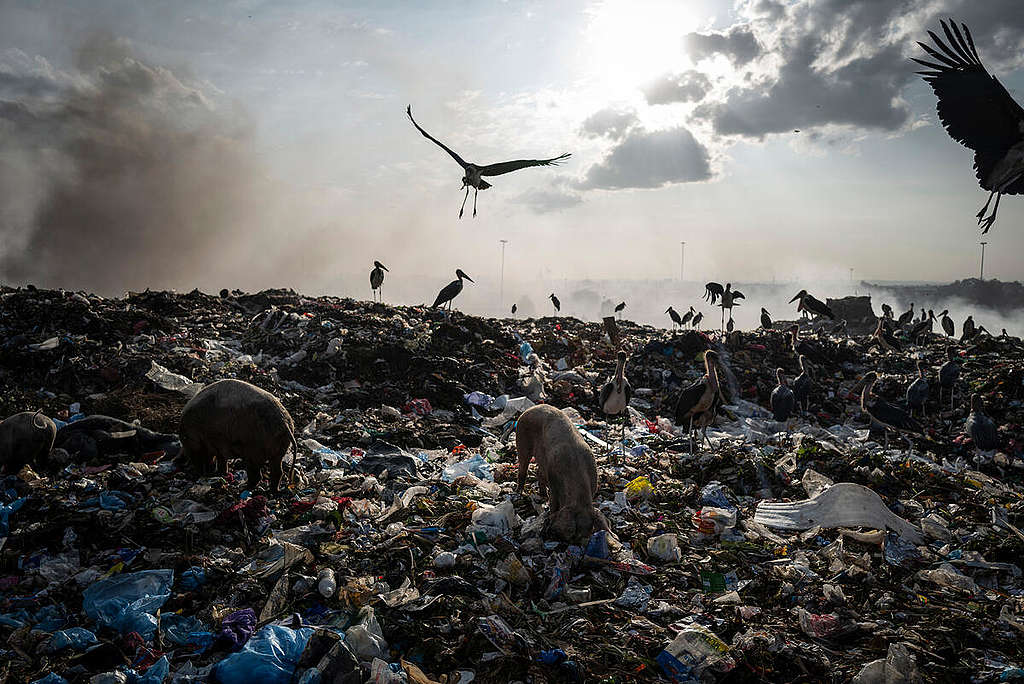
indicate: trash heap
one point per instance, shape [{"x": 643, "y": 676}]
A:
[{"x": 401, "y": 553}]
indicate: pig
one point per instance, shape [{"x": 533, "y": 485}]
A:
[
  {"x": 233, "y": 419},
  {"x": 566, "y": 471},
  {"x": 25, "y": 439}
]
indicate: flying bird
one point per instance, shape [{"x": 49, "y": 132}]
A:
[
  {"x": 377, "y": 278},
  {"x": 554, "y": 300},
  {"x": 712, "y": 291},
  {"x": 978, "y": 113},
  {"x": 451, "y": 290},
  {"x": 474, "y": 173}
]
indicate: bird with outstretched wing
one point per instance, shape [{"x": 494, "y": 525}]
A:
[{"x": 474, "y": 173}]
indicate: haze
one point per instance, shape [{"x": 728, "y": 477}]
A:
[{"x": 258, "y": 144}]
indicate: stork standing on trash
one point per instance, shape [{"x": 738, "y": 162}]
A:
[
  {"x": 474, "y": 173},
  {"x": 698, "y": 403},
  {"x": 450, "y": 291},
  {"x": 554, "y": 301},
  {"x": 615, "y": 395},
  {"x": 886, "y": 415},
  {"x": 377, "y": 280}
]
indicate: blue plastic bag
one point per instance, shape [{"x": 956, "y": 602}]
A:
[
  {"x": 75, "y": 637},
  {"x": 178, "y": 628},
  {"x": 475, "y": 464},
  {"x": 156, "y": 673},
  {"x": 191, "y": 579},
  {"x": 269, "y": 657},
  {"x": 126, "y": 603},
  {"x": 51, "y": 679}
]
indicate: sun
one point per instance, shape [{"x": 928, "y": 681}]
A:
[{"x": 628, "y": 43}]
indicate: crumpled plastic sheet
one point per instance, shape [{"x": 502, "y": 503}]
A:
[
  {"x": 269, "y": 657},
  {"x": 126, "y": 603}
]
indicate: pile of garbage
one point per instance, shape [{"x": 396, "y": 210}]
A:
[{"x": 401, "y": 552}]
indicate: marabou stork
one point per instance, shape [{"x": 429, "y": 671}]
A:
[
  {"x": 948, "y": 374},
  {"x": 677, "y": 320},
  {"x": 886, "y": 415},
  {"x": 712, "y": 291},
  {"x": 782, "y": 399},
  {"x": 802, "y": 385},
  {"x": 451, "y": 290},
  {"x": 805, "y": 347},
  {"x": 906, "y": 317},
  {"x": 947, "y": 323},
  {"x": 729, "y": 297},
  {"x": 554, "y": 300},
  {"x": 697, "y": 318},
  {"x": 474, "y": 173},
  {"x": 377, "y": 279},
  {"x": 886, "y": 311},
  {"x": 884, "y": 339},
  {"x": 809, "y": 304},
  {"x": 616, "y": 393},
  {"x": 968, "y": 330},
  {"x": 980, "y": 427},
  {"x": 699, "y": 402},
  {"x": 978, "y": 113},
  {"x": 619, "y": 307},
  {"x": 514, "y": 309},
  {"x": 922, "y": 327},
  {"x": 688, "y": 316},
  {"x": 766, "y": 319},
  {"x": 917, "y": 391}
]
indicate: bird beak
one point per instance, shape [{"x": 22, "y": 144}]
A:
[
  {"x": 385, "y": 268},
  {"x": 468, "y": 278},
  {"x": 795, "y": 297}
]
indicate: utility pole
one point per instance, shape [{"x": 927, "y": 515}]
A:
[
  {"x": 682, "y": 254},
  {"x": 981, "y": 276},
  {"x": 501, "y": 279}
]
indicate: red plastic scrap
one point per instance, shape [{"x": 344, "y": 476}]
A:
[{"x": 421, "y": 407}]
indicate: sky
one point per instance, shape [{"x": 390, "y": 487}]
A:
[{"x": 257, "y": 144}]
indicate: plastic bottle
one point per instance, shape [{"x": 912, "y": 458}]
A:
[{"x": 326, "y": 583}]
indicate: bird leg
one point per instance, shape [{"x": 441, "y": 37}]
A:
[
  {"x": 706, "y": 439},
  {"x": 986, "y": 223},
  {"x": 466, "y": 197},
  {"x": 886, "y": 431},
  {"x": 690, "y": 433},
  {"x": 476, "y": 192}
]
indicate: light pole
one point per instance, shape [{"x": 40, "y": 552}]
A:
[
  {"x": 982, "y": 275},
  {"x": 501, "y": 287},
  {"x": 682, "y": 254}
]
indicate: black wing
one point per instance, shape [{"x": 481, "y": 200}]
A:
[
  {"x": 974, "y": 107},
  {"x": 448, "y": 292},
  {"x": 433, "y": 139},
  {"x": 736, "y": 294},
  {"x": 688, "y": 398},
  {"x": 510, "y": 166}
]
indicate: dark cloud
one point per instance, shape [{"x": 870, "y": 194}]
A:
[
  {"x": 610, "y": 123},
  {"x": 689, "y": 86},
  {"x": 119, "y": 175},
  {"x": 650, "y": 159},
  {"x": 838, "y": 62},
  {"x": 738, "y": 44}
]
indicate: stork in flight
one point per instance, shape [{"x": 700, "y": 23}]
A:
[
  {"x": 978, "y": 113},
  {"x": 474, "y": 173}
]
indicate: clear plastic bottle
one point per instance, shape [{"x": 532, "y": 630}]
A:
[{"x": 326, "y": 583}]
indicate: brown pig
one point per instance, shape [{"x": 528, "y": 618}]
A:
[
  {"x": 233, "y": 419},
  {"x": 25, "y": 438},
  {"x": 566, "y": 471}
]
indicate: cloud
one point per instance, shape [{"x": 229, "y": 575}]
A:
[
  {"x": 123, "y": 174},
  {"x": 739, "y": 44},
  {"x": 689, "y": 86},
  {"x": 816, "y": 63},
  {"x": 609, "y": 123},
  {"x": 551, "y": 199},
  {"x": 650, "y": 159}
]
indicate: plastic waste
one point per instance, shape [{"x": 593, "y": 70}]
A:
[
  {"x": 711, "y": 520},
  {"x": 155, "y": 673},
  {"x": 172, "y": 382},
  {"x": 815, "y": 483},
  {"x": 695, "y": 649},
  {"x": 366, "y": 639},
  {"x": 898, "y": 667},
  {"x": 494, "y": 521},
  {"x": 636, "y": 596},
  {"x": 639, "y": 488},
  {"x": 475, "y": 464},
  {"x": 326, "y": 583},
  {"x": 444, "y": 560},
  {"x": 948, "y": 576},
  {"x": 192, "y": 579},
  {"x": 77, "y": 638},
  {"x": 815, "y": 625},
  {"x": 51, "y": 678},
  {"x": 664, "y": 547},
  {"x": 126, "y": 603},
  {"x": 269, "y": 657},
  {"x": 842, "y": 505}
]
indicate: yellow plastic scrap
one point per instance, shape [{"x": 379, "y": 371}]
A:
[{"x": 640, "y": 488}]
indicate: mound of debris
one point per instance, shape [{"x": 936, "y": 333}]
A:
[{"x": 401, "y": 553}]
